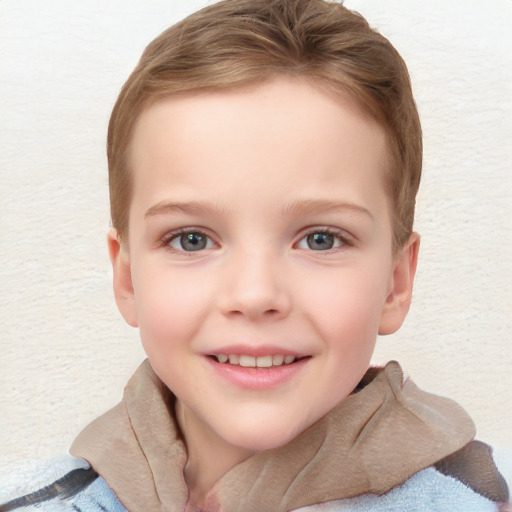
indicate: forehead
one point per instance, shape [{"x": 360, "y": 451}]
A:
[{"x": 284, "y": 129}]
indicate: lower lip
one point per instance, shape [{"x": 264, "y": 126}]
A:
[{"x": 257, "y": 378}]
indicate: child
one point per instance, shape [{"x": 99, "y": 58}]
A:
[{"x": 264, "y": 158}]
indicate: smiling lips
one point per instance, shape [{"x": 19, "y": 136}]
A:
[
  {"x": 246, "y": 361},
  {"x": 261, "y": 371},
  {"x": 260, "y": 367}
]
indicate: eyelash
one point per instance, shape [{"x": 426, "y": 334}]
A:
[
  {"x": 344, "y": 239},
  {"x": 173, "y": 235}
]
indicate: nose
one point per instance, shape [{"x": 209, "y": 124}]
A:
[{"x": 254, "y": 286}]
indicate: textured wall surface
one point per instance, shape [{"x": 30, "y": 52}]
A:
[{"x": 65, "y": 351}]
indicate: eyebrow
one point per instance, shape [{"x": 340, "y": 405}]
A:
[
  {"x": 309, "y": 206},
  {"x": 188, "y": 208}
]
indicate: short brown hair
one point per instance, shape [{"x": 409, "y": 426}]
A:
[{"x": 234, "y": 42}]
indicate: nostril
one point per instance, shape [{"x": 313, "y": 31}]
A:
[{"x": 254, "y": 302}]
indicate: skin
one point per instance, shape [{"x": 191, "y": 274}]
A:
[{"x": 256, "y": 170}]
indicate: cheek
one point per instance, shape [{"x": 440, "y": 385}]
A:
[
  {"x": 171, "y": 309},
  {"x": 359, "y": 288},
  {"x": 346, "y": 304},
  {"x": 171, "y": 305}
]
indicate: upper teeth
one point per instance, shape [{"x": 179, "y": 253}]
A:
[{"x": 255, "y": 362}]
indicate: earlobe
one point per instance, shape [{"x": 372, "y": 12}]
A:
[
  {"x": 123, "y": 287},
  {"x": 399, "y": 298}
]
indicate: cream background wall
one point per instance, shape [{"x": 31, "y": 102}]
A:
[{"x": 65, "y": 351}]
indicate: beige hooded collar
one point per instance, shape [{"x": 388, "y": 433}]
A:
[{"x": 375, "y": 439}]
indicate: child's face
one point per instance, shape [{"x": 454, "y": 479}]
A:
[{"x": 260, "y": 227}]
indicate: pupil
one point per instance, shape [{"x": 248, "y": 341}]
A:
[
  {"x": 320, "y": 241},
  {"x": 193, "y": 241}
]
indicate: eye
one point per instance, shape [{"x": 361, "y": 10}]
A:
[
  {"x": 321, "y": 241},
  {"x": 190, "y": 241}
]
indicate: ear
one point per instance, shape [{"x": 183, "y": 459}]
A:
[
  {"x": 398, "y": 301},
  {"x": 123, "y": 287}
]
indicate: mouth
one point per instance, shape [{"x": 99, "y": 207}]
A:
[
  {"x": 257, "y": 371},
  {"x": 247, "y": 361}
]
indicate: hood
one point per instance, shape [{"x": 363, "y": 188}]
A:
[{"x": 378, "y": 437}]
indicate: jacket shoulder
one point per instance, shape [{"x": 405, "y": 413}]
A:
[
  {"x": 426, "y": 491},
  {"x": 57, "y": 484},
  {"x": 474, "y": 466},
  {"x": 466, "y": 480}
]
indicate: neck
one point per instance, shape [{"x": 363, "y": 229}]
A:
[{"x": 209, "y": 455}]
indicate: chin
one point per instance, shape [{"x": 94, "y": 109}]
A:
[{"x": 258, "y": 437}]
